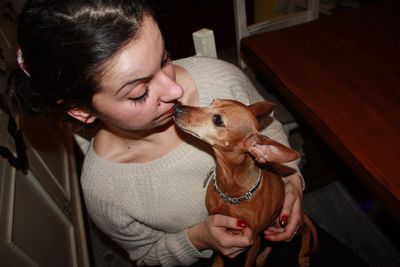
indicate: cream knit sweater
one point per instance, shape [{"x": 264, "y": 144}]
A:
[{"x": 147, "y": 207}]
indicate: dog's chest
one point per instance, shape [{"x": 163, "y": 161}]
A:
[{"x": 261, "y": 209}]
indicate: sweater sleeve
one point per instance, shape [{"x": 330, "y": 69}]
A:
[{"x": 145, "y": 245}]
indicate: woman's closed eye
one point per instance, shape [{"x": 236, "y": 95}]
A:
[{"x": 139, "y": 100}]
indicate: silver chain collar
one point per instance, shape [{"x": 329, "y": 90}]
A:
[{"x": 225, "y": 197}]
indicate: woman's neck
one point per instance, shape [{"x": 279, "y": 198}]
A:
[{"x": 136, "y": 147}]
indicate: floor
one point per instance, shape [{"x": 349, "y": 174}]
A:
[{"x": 334, "y": 199}]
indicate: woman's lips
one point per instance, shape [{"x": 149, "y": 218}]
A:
[{"x": 167, "y": 114}]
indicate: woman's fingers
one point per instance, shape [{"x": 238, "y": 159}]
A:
[
  {"x": 227, "y": 222},
  {"x": 275, "y": 233},
  {"x": 232, "y": 236},
  {"x": 290, "y": 217}
]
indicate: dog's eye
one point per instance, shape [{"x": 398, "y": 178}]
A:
[{"x": 217, "y": 120}]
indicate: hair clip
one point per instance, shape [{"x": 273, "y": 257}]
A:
[{"x": 21, "y": 62}]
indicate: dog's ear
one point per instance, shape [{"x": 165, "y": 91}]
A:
[
  {"x": 265, "y": 149},
  {"x": 262, "y": 110}
]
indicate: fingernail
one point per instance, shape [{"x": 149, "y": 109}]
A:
[
  {"x": 284, "y": 220},
  {"x": 242, "y": 223}
]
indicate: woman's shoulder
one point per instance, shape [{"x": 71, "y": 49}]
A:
[
  {"x": 94, "y": 169},
  {"x": 199, "y": 59},
  {"x": 217, "y": 78},
  {"x": 195, "y": 64},
  {"x": 99, "y": 174},
  {"x": 104, "y": 182}
]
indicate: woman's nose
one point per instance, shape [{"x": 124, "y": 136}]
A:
[{"x": 168, "y": 89}]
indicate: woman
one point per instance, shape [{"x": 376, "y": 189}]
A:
[{"x": 103, "y": 63}]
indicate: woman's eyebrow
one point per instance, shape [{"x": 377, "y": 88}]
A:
[{"x": 137, "y": 80}]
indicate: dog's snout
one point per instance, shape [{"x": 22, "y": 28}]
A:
[{"x": 178, "y": 110}]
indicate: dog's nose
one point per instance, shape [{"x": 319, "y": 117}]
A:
[{"x": 178, "y": 109}]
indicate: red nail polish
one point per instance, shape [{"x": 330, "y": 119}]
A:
[
  {"x": 284, "y": 220},
  {"x": 242, "y": 223}
]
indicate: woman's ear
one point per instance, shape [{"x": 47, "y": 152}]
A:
[{"x": 82, "y": 115}]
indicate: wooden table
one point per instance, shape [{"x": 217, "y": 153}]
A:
[{"x": 341, "y": 74}]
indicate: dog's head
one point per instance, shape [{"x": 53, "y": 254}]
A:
[{"x": 231, "y": 126}]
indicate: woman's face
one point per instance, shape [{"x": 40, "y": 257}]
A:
[{"x": 138, "y": 88}]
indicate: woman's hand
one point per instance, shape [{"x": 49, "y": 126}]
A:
[
  {"x": 291, "y": 216},
  {"x": 228, "y": 235}
]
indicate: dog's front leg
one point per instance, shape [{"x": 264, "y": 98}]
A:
[
  {"x": 252, "y": 252},
  {"x": 308, "y": 236},
  {"x": 262, "y": 257},
  {"x": 218, "y": 261}
]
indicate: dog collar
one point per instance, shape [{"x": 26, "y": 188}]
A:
[{"x": 229, "y": 199}]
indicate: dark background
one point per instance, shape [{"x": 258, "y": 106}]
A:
[{"x": 178, "y": 19}]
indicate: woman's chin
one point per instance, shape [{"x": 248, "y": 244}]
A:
[{"x": 164, "y": 124}]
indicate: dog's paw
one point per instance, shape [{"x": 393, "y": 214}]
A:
[
  {"x": 262, "y": 257},
  {"x": 218, "y": 262},
  {"x": 304, "y": 261}
]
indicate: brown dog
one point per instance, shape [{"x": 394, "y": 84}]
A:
[{"x": 240, "y": 188}]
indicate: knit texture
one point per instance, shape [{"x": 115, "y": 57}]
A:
[{"x": 147, "y": 207}]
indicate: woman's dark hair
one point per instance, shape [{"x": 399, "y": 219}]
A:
[{"x": 65, "y": 44}]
